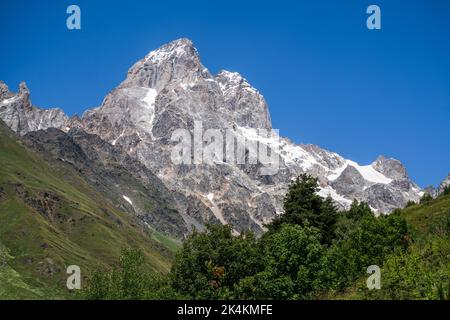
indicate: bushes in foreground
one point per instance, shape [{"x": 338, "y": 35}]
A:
[{"x": 311, "y": 251}]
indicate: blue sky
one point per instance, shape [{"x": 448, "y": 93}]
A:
[{"x": 327, "y": 78}]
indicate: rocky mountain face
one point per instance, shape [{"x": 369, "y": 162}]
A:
[
  {"x": 170, "y": 89},
  {"x": 21, "y": 116},
  {"x": 124, "y": 181}
]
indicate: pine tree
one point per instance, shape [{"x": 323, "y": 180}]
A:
[{"x": 304, "y": 207}]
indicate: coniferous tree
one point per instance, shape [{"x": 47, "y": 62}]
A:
[{"x": 303, "y": 206}]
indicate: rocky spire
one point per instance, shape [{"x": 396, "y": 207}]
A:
[
  {"x": 24, "y": 95},
  {"x": 4, "y": 91},
  {"x": 21, "y": 116}
]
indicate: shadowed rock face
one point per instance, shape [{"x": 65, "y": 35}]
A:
[
  {"x": 391, "y": 168},
  {"x": 350, "y": 182},
  {"x": 129, "y": 185},
  {"x": 170, "y": 89}
]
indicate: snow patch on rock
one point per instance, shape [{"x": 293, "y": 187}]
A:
[{"x": 127, "y": 200}]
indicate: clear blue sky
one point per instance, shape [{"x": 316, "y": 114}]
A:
[{"x": 327, "y": 78}]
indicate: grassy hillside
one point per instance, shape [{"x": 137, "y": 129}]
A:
[
  {"x": 47, "y": 224},
  {"x": 429, "y": 218}
]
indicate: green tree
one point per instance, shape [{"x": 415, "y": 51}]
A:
[
  {"x": 358, "y": 210},
  {"x": 294, "y": 264},
  {"x": 426, "y": 198},
  {"x": 410, "y": 203},
  {"x": 445, "y": 192},
  {"x": 264, "y": 286},
  {"x": 303, "y": 206},
  {"x": 365, "y": 242},
  {"x": 210, "y": 263},
  {"x": 423, "y": 272}
]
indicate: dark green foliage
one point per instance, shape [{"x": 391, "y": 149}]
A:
[
  {"x": 426, "y": 198},
  {"x": 263, "y": 286},
  {"x": 367, "y": 242},
  {"x": 212, "y": 262},
  {"x": 446, "y": 191},
  {"x": 215, "y": 264},
  {"x": 358, "y": 210},
  {"x": 295, "y": 253},
  {"x": 303, "y": 206},
  {"x": 410, "y": 203},
  {"x": 447, "y": 224},
  {"x": 422, "y": 272}
]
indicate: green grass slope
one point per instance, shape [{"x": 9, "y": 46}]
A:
[{"x": 47, "y": 224}]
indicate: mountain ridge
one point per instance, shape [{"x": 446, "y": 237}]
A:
[{"x": 170, "y": 89}]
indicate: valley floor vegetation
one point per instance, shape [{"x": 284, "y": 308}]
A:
[{"x": 312, "y": 251}]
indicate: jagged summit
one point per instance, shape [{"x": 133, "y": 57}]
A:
[
  {"x": 6, "y": 96},
  {"x": 178, "y": 60},
  {"x": 20, "y": 115},
  {"x": 175, "y": 48}
]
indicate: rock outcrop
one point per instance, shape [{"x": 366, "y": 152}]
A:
[{"x": 21, "y": 116}]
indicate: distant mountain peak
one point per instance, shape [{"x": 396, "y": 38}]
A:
[{"x": 178, "y": 60}]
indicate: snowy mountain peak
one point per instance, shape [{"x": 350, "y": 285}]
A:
[
  {"x": 176, "y": 61},
  {"x": 170, "y": 89},
  {"x": 174, "y": 49}
]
